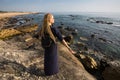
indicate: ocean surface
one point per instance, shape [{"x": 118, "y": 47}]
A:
[{"x": 107, "y": 36}]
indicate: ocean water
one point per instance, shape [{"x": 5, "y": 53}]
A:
[{"x": 84, "y": 23}]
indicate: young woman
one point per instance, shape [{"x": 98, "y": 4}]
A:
[{"x": 50, "y": 55}]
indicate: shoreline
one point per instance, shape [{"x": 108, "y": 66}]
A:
[{"x": 12, "y": 14}]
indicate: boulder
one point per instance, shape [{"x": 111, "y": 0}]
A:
[
  {"x": 112, "y": 72},
  {"x": 6, "y": 33},
  {"x": 87, "y": 61}
]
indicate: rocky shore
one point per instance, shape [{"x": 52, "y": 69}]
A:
[
  {"x": 22, "y": 57},
  {"x": 103, "y": 67}
]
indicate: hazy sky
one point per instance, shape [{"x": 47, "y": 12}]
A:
[{"x": 61, "y": 5}]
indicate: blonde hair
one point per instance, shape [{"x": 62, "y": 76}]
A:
[{"x": 46, "y": 27}]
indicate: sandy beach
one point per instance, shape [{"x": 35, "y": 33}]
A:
[{"x": 11, "y": 14}]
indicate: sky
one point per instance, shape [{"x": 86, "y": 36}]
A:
[{"x": 61, "y": 5}]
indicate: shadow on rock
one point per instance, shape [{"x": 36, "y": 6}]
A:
[
  {"x": 33, "y": 70},
  {"x": 19, "y": 69}
]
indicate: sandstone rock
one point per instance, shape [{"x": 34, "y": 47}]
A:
[
  {"x": 6, "y": 33},
  {"x": 88, "y": 62},
  {"x": 28, "y": 28}
]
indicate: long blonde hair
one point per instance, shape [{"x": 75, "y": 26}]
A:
[{"x": 46, "y": 27}]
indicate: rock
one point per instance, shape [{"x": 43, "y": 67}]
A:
[
  {"x": 92, "y": 20},
  {"x": 69, "y": 39},
  {"x": 109, "y": 23},
  {"x": 67, "y": 31},
  {"x": 64, "y": 32},
  {"x": 102, "y": 39},
  {"x": 70, "y": 60},
  {"x": 17, "y": 63},
  {"x": 3, "y": 22},
  {"x": 102, "y": 22},
  {"x": 11, "y": 67},
  {"x": 28, "y": 28},
  {"x": 73, "y": 18},
  {"x": 81, "y": 46},
  {"x": 61, "y": 23},
  {"x": 13, "y": 20},
  {"x": 88, "y": 62},
  {"x": 60, "y": 27},
  {"x": 106, "y": 31},
  {"x": 83, "y": 39},
  {"x": 6, "y": 33},
  {"x": 71, "y": 15},
  {"x": 75, "y": 32},
  {"x": 22, "y": 64},
  {"x": 112, "y": 72},
  {"x": 70, "y": 29},
  {"x": 109, "y": 41},
  {"x": 20, "y": 22},
  {"x": 93, "y": 36}
]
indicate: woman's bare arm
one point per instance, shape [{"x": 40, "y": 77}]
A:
[{"x": 65, "y": 44}]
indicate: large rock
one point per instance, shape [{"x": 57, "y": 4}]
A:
[
  {"x": 87, "y": 61},
  {"x": 21, "y": 64},
  {"x": 6, "y": 33},
  {"x": 112, "y": 72}
]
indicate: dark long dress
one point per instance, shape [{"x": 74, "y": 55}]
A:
[{"x": 51, "y": 56}]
